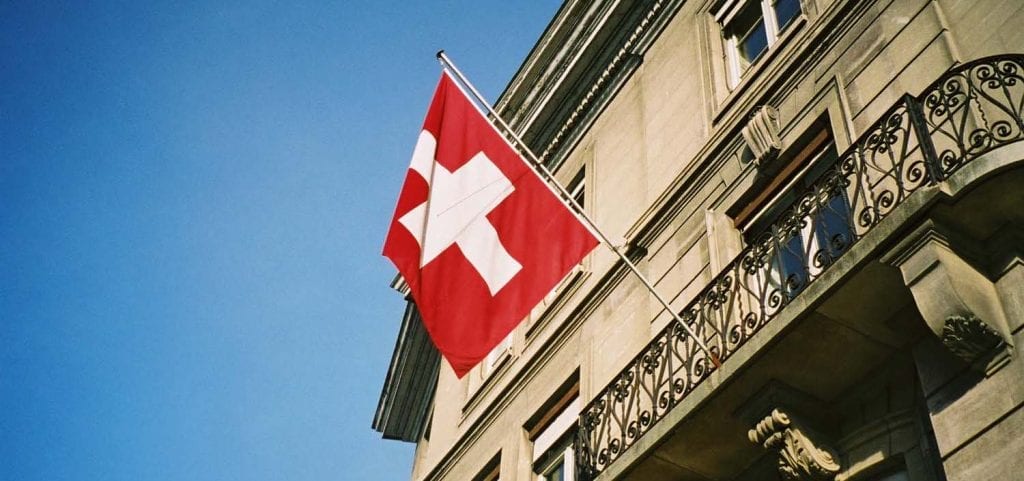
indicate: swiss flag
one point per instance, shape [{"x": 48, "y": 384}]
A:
[{"x": 477, "y": 235}]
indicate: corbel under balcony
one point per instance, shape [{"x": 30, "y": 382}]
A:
[
  {"x": 956, "y": 294},
  {"x": 803, "y": 456}
]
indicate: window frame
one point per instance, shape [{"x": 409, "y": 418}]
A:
[
  {"x": 567, "y": 462},
  {"x": 577, "y": 187},
  {"x": 794, "y": 255},
  {"x": 550, "y": 431},
  {"x": 498, "y": 356},
  {"x": 726, "y": 17},
  {"x": 491, "y": 471}
]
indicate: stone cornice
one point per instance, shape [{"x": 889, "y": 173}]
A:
[
  {"x": 589, "y": 49},
  {"x": 547, "y": 64}
]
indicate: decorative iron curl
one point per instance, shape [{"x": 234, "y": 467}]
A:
[
  {"x": 652, "y": 359},
  {"x": 622, "y": 386},
  {"x": 1002, "y": 131},
  {"x": 979, "y": 140},
  {"x": 839, "y": 243},
  {"x": 759, "y": 252},
  {"x": 821, "y": 259},
  {"x": 736, "y": 334},
  {"x": 998, "y": 75},
  {"x": 795, "y": 283},
  {"x": 645, "y": 419},
  {"x": 947, "y": 98},
  {"x": 633, "y": 429},
  {"x": 867, "y": 216},
  {"x": 916, "y": 171},
  {"x": 885, "y": 167},
  {"x": 774, "y": 299},
  {"x": 949, "y": 161},
  {"x": 885, "y": 201},
  {"x": 665, "y": 399},
  {"x": 698, "y": 366},
  {"x": 751, "y": 322},
  {"x": 680, "y": 387},
  {"x": 848, "y": 165}
]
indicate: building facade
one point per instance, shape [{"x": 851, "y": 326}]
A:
[{"x": 829, "y": 192}]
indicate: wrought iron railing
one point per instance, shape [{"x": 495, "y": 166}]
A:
[{"x": 919, "y": 141}]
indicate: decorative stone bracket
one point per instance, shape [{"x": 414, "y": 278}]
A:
[
  {"x": 960, "y": 303},
  {"x": 762, "y": 134},
  {"x": 969, "y": 338},
  {"x": 800, "y": 457}
]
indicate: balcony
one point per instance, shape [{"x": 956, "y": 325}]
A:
[{"x": 915, "y": 146}]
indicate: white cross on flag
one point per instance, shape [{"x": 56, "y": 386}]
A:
[{"x": 477, "y": 235}]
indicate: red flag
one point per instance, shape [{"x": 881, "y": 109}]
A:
[{"x": 477, "y": 235}]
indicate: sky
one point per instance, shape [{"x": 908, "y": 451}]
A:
[{"x": 193, "y": 199}]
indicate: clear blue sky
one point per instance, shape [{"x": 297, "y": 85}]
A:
[{"x": 193, "y": 198}]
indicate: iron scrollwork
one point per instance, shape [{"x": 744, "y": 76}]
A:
[{"x": 970, "y": 110}]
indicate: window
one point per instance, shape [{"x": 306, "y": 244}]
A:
[
  {"x": 811, "y": 243},
  {"x": 749, "y": 35},
  {"x": 577, "y": 187},
  {"x": 560, "y": 469},
  {"x": 479, "y": 382},
  {"x": 498, "y": 355},
  {"x": 751, "y": 27},
  {"x": 785, "y": 12},
  {"x": 810, "y": 250},
  {"x": 491, "y": 471},
  {"x": 552, "y": 449},
  {"x": 551, "y": 431}
]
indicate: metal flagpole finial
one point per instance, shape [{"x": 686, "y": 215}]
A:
[{"x": 440, "y": 54}]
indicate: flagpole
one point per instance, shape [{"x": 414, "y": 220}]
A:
[{"x": 567, "y": 197}]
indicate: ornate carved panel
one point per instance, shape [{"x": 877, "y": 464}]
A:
[
  {"x": 969, "y": 338},
  {"x": 800, "y": 457},
  {"x": 762, "y": 134}
]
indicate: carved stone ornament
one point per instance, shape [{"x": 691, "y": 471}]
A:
[
  {"x": 762, "y": 134},
  {"x": 800, "y": 459},
  {"x": 969, "y": 338}
]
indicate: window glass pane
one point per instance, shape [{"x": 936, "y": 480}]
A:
[
  {"x": 786, "y": 11},
  {"x": 749, "y": 31},
  {"x": 561, "y": 424},
  {"x": 832, "y": 226},
  {"x": 555, "y": 473},
  {"x": 754, "y": 44},
  {"x": 577, "y": 187},
  {"x": 791, "y": 265}
]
